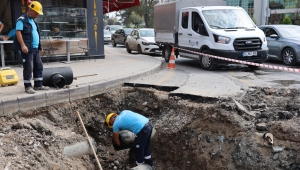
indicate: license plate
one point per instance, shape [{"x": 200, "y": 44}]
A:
[{"x": 251, "y": 53}]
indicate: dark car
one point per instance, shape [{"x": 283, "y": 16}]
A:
[
  {"x": 119, "y": 37},
  {"x": 283, "y": 42}
]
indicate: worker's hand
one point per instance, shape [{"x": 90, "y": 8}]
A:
[
  {"x": 6, "y": 37},
  {"x": 24, "y": 49}
]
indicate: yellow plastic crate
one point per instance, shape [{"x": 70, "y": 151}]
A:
[{"x": 8, "y": 76}]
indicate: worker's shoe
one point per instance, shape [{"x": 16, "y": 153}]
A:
[
  {"x": 29, "y": 90},
  {"x": 41, "y": 88}
]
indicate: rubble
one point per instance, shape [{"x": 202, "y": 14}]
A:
[{"x": 190, "y": 133}]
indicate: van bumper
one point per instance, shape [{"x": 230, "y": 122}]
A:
[{"x": 261, "y": 56}]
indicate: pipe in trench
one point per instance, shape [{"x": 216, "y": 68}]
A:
[
  {"x": 79, "y": 149},
  {"x": 142, "y": 167},
  {"x": 57, "y": 76}
]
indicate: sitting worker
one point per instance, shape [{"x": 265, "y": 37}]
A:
[
  {"x": 1, "y": 26},
  {"x": 137, "y": 124},
  {"x": 11, "y": 34}
]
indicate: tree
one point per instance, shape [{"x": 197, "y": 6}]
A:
[
  {"x": 146, "y": 9},
  {"x": 296, "y": 16},
  {"x": 286, "y": 20},
  {"x": 110, "y": 22},
  {"x": 135, "y": 19},
  {"x": 274, "y": 18}
]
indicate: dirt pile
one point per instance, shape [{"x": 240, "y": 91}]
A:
[{"x": 191, "y": 133}]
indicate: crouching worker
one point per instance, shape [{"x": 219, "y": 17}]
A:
[{"x": 137, "y": 124}]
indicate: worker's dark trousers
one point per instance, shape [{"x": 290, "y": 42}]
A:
[
  {"x": 142, "y": 145},
  {"x": 32, "y": 63}
]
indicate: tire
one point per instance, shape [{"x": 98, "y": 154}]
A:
[
  {"x": 113, "y": 43},
  {"x": 206, "y": 62},
  {"x": 166, "y": 53},
  {"x": 253, "y": 67},
  {"x": 288, "y": 57},
  {"x": 140, "y": 49},
  {"x": 127, "y": 48}
]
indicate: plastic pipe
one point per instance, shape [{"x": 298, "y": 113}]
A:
[
  {"x": 79, "y": 149},
  {"x": 57, "y": 76},
  {"x": 142, "y": 167}
]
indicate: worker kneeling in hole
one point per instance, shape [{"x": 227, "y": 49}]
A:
[{"x": 137, "y": 124}]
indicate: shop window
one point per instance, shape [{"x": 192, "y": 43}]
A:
[{"x": 63, "y": 23}]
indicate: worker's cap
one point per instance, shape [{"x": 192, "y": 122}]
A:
[{"x": 108, "y": 118}]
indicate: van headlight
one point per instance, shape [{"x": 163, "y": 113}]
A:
[{"x": 221, "y": 39}]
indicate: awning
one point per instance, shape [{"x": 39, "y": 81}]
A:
[{"x": 115, "y": 5}]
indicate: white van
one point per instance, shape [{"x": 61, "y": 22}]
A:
[{"x": 224, "y": 31}]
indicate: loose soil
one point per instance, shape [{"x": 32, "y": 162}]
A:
[{"x": 192, "y": 132}]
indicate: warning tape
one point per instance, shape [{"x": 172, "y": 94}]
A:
[{"x": 245, "y": 62}]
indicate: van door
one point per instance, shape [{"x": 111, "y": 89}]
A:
[{"x": 184, "y": 33}]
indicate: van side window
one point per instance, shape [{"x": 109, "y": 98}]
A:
[
  {"x": 185, "y": 20},
  {"x": 196, "y": 21}
]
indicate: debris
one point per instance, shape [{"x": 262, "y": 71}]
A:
[{"x": 269, "y": 138}]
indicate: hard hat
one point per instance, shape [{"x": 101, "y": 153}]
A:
[
  {"x": 108, "y": 118},
  {"x": 36, "y": 6}
]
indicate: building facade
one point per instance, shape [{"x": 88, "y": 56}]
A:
[
  {"x": 269, "y": 11},
  {"x": 68, "y": 19}
]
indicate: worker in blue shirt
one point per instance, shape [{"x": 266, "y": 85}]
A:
[
  {"x": 11, "y": 34},
  {"x": 137, "y": 124}
]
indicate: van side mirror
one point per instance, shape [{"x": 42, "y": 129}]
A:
[
  {"x": 202, "y": 30},
  {"x": 274, "y": 36}
]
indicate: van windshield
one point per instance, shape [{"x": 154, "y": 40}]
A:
[{"x": 228, "y": 19}]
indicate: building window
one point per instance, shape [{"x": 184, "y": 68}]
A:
[{"x": 248, "y": 5}]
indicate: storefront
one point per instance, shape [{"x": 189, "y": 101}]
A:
[{"x": 62, "y": 19}]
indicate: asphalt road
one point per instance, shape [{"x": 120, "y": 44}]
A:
[{"x": 230, "y": 80}]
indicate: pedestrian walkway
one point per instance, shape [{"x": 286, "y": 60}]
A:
[{"x": 93, "y": 78}]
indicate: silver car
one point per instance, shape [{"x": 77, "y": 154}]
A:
[{"x": 283, "y": 42}]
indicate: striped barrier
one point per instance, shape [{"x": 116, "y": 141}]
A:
[{"x": 245, "y": 62}]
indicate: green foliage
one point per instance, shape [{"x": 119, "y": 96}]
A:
[
  {"x": 135, "y": 19},
  {"x": 286, "y": 20},
  {"x": 145, "y": 9}
]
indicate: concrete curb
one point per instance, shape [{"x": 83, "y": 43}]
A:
[{"x": 10, "y": 106}]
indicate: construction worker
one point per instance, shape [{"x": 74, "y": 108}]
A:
[
  {"x": 11, "y": 34},
  {"x": 137, "y": 124},
  {"x": 27, "y": 40}
]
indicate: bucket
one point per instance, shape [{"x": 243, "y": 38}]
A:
[{"x": 127, "y": 139}]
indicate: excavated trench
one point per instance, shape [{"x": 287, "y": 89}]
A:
[{"x": 191, "y": 132}]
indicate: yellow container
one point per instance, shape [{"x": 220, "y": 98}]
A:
[{"x": 8, "y": 76}]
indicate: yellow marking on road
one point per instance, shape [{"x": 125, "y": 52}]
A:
[
  {"x": 165, "y": 78},
  {"x": 241, "y": 80}
]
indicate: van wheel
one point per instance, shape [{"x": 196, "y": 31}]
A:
[
  {"x": 166, "y": 53},
  {"x": 127, "y": 48},
  {"x": 140, "y": 49},
  {"x": 253, "y": 67},
  {"x": 206, "y": 62}
]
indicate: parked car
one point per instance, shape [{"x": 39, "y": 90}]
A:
[
  {"x": 107, "y": 36},
  {"x": 112, "y": 28},
  {"x": 143, "y": 41},
  {"x": 119, "y": 37},
  {"x": 283, "y": 42}
]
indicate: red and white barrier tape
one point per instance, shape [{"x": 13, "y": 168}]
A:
[{"x": 245, "y": 62}]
